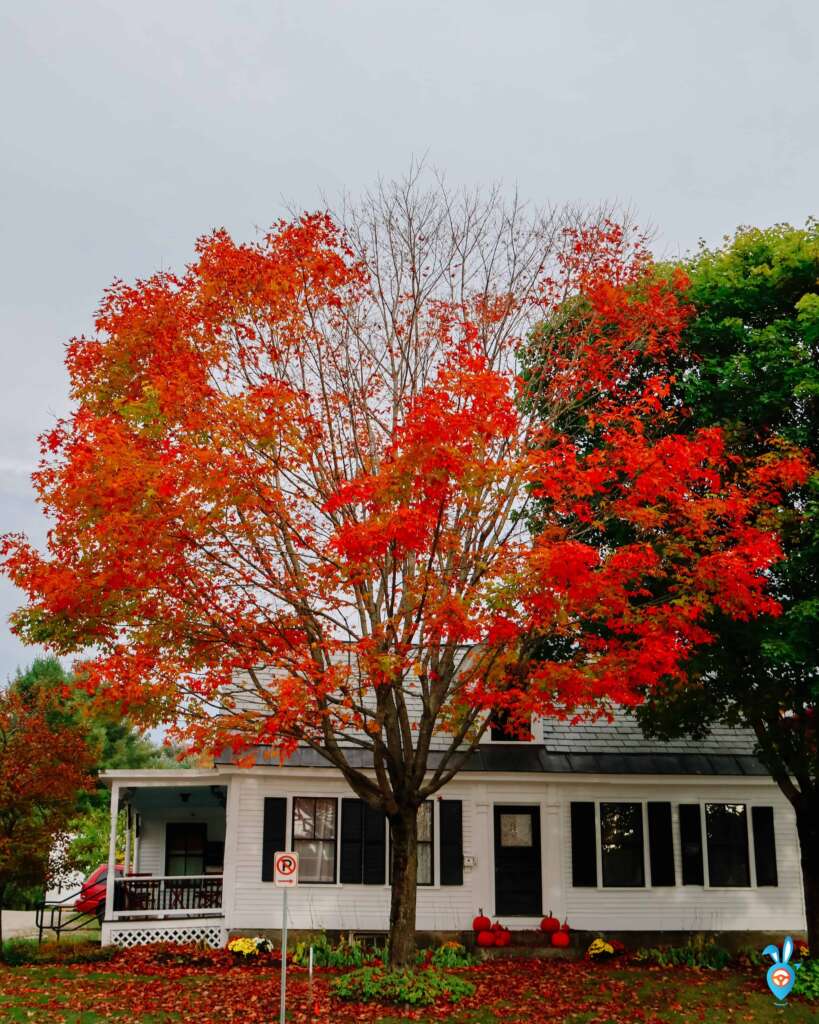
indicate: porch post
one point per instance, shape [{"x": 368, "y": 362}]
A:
[
  {"x": 112, "y": 853},
  {"x": 127, "y": 859}
]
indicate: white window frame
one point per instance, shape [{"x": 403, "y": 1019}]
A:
[
  {"x": 598, "y": 836},
  {"x": 706, "y": 856},
  {"x": 291, "y": 845},
  {"x": 535, "y": 728}
]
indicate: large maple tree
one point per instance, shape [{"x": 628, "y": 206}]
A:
[{"x": 315, "y": 454}]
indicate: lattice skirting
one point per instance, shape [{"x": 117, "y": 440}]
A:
[{"x": 212, "y": 935}]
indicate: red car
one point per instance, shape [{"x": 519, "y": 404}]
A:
[{"x": 91, "y": 898}]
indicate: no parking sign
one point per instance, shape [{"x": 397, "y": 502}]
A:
[
  {"x": 285, "y": 876},
  {"x": 286, "y": 869}
]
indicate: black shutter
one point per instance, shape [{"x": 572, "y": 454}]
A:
[
  {"x": 661, "y": 844},
  {"x": 363, "y": 844},
  {"x": 374, "y": 870},
  {"x": 452, "y": 842},
  {"x": 691, "y": 844},
  {"x": 352, "y": 814},
  {"x": 762, "y": 820},
  {"x": 584, "y": 845},
  {"x": 273, "y": 834}
]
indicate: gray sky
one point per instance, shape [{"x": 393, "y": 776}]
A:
[{"x": 130, "y": 128}]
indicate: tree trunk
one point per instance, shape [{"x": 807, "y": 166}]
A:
[
  {"x": 807, "y": 826},
  {"x": 2, "y": 901},
  {"x": 404, "y": 844}
]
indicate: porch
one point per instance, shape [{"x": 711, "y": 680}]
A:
[{"x": 165, "y": 878}]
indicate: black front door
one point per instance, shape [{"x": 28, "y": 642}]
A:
[{"x": 517, "y": 862}]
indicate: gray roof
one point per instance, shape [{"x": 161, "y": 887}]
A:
[
  {"x": 602, "y": 747},
  {"x": 624, "y": 736}
]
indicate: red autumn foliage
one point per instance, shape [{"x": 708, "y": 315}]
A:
[
  {"x": 266, "y": 468},
  {"x": 213, "y": 988},
  {"x": 44, "y": 764}
]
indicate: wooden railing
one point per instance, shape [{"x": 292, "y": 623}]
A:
[{"x": 168, "y": 895}]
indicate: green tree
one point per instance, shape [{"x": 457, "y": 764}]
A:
[{"x": 755, "y": 342}]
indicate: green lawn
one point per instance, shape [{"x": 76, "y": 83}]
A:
[{"x": 519, "y": 991}]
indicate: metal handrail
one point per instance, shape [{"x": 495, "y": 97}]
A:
[{"x": 74, "y": 923}]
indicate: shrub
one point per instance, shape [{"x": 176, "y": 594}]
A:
[
  {"x": 708, "y": 955},
  {"x": 406, "y": 987},
  {"x": 17, "y": 952},
  {"x": 325, "y": 954},
  {"x": 807, "y": 980},
  {"x": 448, "y": 955}
]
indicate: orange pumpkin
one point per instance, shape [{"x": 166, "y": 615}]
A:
[
  {"x": 549, "y": 924},
  {"x": 486, "y": 938},
  {"x": 481, "y": 923}
]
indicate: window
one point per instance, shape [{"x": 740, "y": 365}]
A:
[
  {"x": 185, "y": 845},
  {"x": 621, "y": 841},
  {"x": 502, "y": 731},
  {"x": 425, "y": 844},
  {"x": 314, "y": 837},
  {"x": 726, "y": 832}
]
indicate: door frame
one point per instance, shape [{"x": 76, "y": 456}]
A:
[{"x": 541, "y": 809}]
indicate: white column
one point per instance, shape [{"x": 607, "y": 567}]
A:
[
  {"x": 127, "y": 858},
  {"x": 136, "y": 842},
  {"x": 112, "y": 853}
]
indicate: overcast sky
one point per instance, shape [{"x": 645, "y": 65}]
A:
[{"x": 130, "y": 128}]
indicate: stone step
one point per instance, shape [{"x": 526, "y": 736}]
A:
[{"x": 513, "y": 952}]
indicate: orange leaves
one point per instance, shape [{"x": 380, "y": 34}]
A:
[{"x": 267, "y": 478}]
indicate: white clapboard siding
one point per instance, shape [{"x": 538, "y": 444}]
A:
[
  {"x": 256, "y": 904},
  {"x": 689, "y": 907}
]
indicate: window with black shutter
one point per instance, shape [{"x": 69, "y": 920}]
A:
[
  {"x": 726, "y": 827},
  {"x": 661, "y": 844},
  {"x": 451, "y": 841},
  {"x": 621, "y": 841},
  {"x": 691, "y": 844},
  {"x": 584, "y": 845},
  {"x": 273, "y": 832},
  {"x": 762, "y": 822},
  {"x": 363, "y": 844}
]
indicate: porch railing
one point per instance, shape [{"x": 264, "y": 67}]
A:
[{"x": 169, "y": 895}]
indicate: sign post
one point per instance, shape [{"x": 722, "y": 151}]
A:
[{"x": 285, "y": 876}]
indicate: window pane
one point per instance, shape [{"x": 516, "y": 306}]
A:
[
  {"x": 621, "y": 838},
  {"x": 325, "y": 819},
  {"x": 516, "y": 829},
  {"x": 424, "y": 864},
  {"x": 177, "y": 865},
  {"x": 303, "y": 817},
  {"x": 316, "y": 860},
  {"x": 425, "y": 822},
  {"x": 726, "y": 827}
]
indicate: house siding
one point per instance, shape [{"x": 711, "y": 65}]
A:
[{"x": 254, "y": 904}]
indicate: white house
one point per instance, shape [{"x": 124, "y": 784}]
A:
[{"x": 613, "y": 832}]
